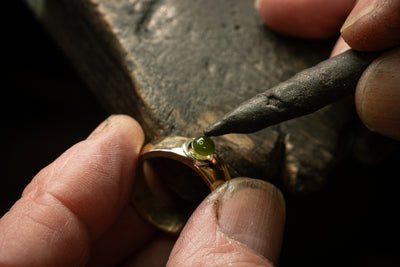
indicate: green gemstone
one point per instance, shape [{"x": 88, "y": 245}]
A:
[{"x": 203, "y": 146}]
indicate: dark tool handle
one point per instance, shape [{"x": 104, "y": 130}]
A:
[{"x": 304, "y": 93}]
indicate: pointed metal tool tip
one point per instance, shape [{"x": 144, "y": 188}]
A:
[{"x": 214, "y": 129}]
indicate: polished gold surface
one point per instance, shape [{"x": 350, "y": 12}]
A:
[{"x": 171, "y": 181}]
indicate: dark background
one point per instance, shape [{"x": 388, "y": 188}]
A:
[{"x": 47, "y": 108}]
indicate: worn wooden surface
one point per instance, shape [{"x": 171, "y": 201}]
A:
[{"x": 177, "y": 66}]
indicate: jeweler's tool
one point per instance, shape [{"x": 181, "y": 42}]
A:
[{"x": 304, "y": 93}]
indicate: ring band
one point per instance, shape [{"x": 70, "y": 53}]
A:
[{"x": 171, "y": 181}]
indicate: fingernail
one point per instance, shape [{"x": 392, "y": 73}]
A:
[
  {"x": 361, "y": 9},
  {"x": 101, "y": 127},
  {"x": 378, "y": 96},
  {"x": 252, "y": 212}
]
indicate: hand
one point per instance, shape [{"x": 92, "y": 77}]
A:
[
  {"x": 366, "y": 25},
  {"x": 77, "y": 211}
]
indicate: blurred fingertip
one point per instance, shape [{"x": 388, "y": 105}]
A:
[
  {"x": 377, "y": 95},
  {"x": 312, "y": 19}
]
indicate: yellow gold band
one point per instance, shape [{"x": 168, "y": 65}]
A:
[{"x": 170, "y": 182}]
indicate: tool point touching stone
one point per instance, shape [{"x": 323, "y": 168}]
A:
[{"x": 203, "y": 145}]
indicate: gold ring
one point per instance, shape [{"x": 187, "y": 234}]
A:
[{"x": 172, "y": 179}]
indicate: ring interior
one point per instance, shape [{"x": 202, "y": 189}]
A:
[{"x": 166, "y": 192}]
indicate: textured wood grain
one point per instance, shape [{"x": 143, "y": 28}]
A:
[{"x": 177, "y": 66}]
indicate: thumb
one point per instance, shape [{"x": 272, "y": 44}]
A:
[{"x": 241, "y": 222}]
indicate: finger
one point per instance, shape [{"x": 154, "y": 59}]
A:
[
  {"x": 240, "y": 222},
  {"x": 373, "y": 25},
  {"x": 339, "y": 47},
  {"x": 70, "y": 203},
  {"x": 154, "y": 254},
  {"x": 125, "y": 237},
  {"x": 378, "y": 95},
  {"x": 306, "y": 19}
]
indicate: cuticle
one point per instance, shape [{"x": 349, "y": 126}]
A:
[{"x": 217, "y": 202}]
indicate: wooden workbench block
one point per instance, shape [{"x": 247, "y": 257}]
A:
[{"x": 177, "y": 66}]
